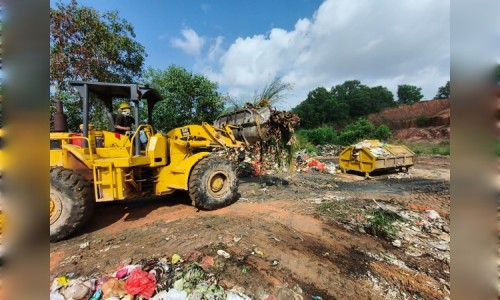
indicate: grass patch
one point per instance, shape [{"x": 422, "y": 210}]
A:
[
  {"x": 339, "y": 210},
  {"x": 442, "y": 148},
  {"x": 383, "y": 223}
]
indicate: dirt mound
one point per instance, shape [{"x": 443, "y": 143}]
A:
[
  {"x": 420, "y": 114},
  {"x": 430, "y": 135}
]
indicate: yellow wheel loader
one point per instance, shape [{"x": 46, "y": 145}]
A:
[{"x": 103, "y": 165}]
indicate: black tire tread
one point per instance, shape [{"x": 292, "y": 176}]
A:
[
  {"x": 197, "y": 190},
  {"x": 81, "y": 194}
]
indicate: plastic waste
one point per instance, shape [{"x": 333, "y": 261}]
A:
[
  {"x": 234, "y": 295},
  {"x": 77, "y": 290},
  {"x": 97, "y": 295},
  {"x": 56, "y": 296},
  {"x": 433, "y": 215},
  {"x": 113, "y": 288},
  {"x": 223, "y": 253},
  {"x": 207, "y": 262},
  {"x": 176, "y": 258},
  {"x": 172, "y": 294},
  {"x": 141, "y": 283},
  {"x": 121, "y": 273},
  {"x": 56, "y": 284}
]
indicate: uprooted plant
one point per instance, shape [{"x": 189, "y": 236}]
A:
[{"x": 384, "y": 223}]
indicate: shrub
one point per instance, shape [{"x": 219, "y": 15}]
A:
[
  {"x": 319, "y": 136},
  {"x": 303, "y": 143},
  {"x": 356, "y": 131},
  {"x": 423, "y": 121},
  {"x": 384, "y": 223},
  {"x": 382, "y": 133}
]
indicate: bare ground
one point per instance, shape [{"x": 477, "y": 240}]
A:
[{"x": 277, "y": 232}]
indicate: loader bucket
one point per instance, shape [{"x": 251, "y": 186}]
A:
[{"x": 249, "y": 123}]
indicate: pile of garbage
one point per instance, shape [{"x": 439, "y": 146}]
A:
[
  {"x": 306, "y": 164},
  {"x": 329, "y": 150},
  {"x": 155, "y": 279},
  {"x": 281, "y": 123},
  {"x": 256, "y": 160},
  {"x": 375, "y": 146},
  {"x": 418, "y": 230}
]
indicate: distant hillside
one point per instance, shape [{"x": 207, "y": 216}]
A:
[{"x": 425, "y": 121}]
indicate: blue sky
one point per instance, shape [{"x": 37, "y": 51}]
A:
[{"x": 244, "y": 45}]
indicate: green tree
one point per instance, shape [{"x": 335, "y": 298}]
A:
[
  {"x": 188, "y": 98},
  {"x": 320, "y": 108},
  {"x": 361, "y": 99},
  {"x": 443, "y": 91},
  {"x": 89, "y": 45},
  {"x": 408, "y": 94},
  {"x": 381, "y": 98}
]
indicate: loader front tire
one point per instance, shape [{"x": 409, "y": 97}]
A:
[
  {"x": 213, "y": 184},
  {"x": 71, "y": 202}
]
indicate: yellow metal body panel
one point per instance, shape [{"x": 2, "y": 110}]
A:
[
  {"x": 364, "y": 160},
  {"x": 176, "y": 175},
  {"x": 117, "y": 173},
  {"x": 157, "y": 151}
]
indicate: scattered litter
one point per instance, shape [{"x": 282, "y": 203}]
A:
[
  {"x": 396, "y": 243},
  {"x": 244, "y": 270},
  {"x": 141, "y": 283},
  {"x": 443, "y": 246},
  {"x": 97, "y": 295},
  {"x": 84, "y": 245},
  {"x": 56, "y": 296},
  {"x": 223, "y": 253},
  {"x": 237, "y": 296},
  {"x": 176, "y": 258},
  {"x": 78, "y": 290},
  {"x": 113, "y": 288},
  {"x": 275, "y": 262},
  {"x": 207, "y": 262},
  {"x": 172, "y": 294},
  {"x": 432, "y": 215}
]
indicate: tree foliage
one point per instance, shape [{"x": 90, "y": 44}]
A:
[
  {"x": 188, "y": 98},
  {"x": 408, "y": 94},
  {"x": 443, "y": 91},
  {"x": 343, "y": 102},
  {"x": 319, "y": 136},
  {"x": 89, "y": 45},
  {"x": 354, "y": 132}
]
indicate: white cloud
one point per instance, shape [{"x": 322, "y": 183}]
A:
[
  {"x": 216, "y": 50},
  {"x": 385, "y": 42},
  {"x": 191, "y": 44}
]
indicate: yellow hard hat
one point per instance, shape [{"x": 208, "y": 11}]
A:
[{"x": 124, "y": 105}]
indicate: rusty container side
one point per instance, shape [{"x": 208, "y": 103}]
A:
[{"x": 249, "y": 122}]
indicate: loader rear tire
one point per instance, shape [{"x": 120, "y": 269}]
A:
[
  {"x": 213, "y": 184},
  {"x": 71, "y": 202}
]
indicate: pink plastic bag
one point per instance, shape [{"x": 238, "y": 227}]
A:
[{"x": 141, "y": 283}]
